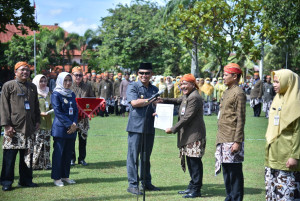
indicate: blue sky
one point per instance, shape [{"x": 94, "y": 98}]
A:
[{"x": 76, "y": 15}]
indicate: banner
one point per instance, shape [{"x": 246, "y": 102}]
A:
[{"x": 87, "y": 107}]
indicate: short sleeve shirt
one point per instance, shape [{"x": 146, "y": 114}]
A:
[{"x": 137, "y": 115}]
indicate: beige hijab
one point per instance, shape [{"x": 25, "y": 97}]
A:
[
  {"x": 36, "y": 80},
  {"x": 288, "y": 99}
]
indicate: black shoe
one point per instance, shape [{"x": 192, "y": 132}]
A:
[
  {"x": 82, "y": 163},
  {"x": 31, "y": 185},
  {"x": 134, "y": 190},
  {"x": 187, "y": 191},
  {"x": 192, "y": 194},
  {"x": 6, "y": 188},
  {"x": 72, "y": 162},
  {"x": 150, "y": 187}
]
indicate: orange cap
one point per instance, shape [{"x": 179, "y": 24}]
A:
[
  {"x": 119, "y": 74},
  {"x": 232, "y": 68},
  {"x": 21, "y": 63},
  {"x": 190, "y": 78},
  {"x": 77, "y": 69}
]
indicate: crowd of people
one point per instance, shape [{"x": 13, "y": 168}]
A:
[{"x": 32, "y": 111}]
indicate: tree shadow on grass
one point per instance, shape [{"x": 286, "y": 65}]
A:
[
  {"x": 104, "y": 165},
  {"x": 125, "y": 196},
  {"x": 211, "y": 190},
  {"x": 88, "y": 181}
]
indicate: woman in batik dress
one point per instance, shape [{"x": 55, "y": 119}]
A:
[
  {"x": 282, "y": 176},
  {"x": 41, "y": 152}
]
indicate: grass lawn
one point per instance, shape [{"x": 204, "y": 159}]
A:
[{"x": 105, "y": 178}]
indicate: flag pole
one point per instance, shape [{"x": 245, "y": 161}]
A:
[{"x": 34, "y": 48}]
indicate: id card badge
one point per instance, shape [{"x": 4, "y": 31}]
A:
[
  {"x": 183, "y": 111},
  {"x": 27, "y": 105},
  {"x": 268, "y": 90},
  {"x": 104, "y": 87},
  {"x": 276, "y": 120},
  {"x": 252, "y": 87},
  {"x": 70, "y": 109},
  {"x": 47, "y": 104}
]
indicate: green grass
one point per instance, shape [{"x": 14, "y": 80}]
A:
[{"x": 105, "y": 178}]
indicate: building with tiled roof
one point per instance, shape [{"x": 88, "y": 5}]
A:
[{"x": 12, "y": 30}]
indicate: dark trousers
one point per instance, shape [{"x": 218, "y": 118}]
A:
[
  {"x": 117, "y": 112},
  {"x": 61, "y": 157},
  {"x": 8, "y": 167},
  {"x": 195, "y": 167},
  {"x": 134, "y": 151},
  {"x": 257, "y": 110},
  {"x": 234, "y": 181},
  {"x": 81, "y": 148}
]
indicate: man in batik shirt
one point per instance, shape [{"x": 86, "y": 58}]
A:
[
  {"x": 230, "y": 137},
  {"x": 81, "y": 90},
  {"x": 20, "y": 117}
]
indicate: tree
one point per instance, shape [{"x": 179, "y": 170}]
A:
[
  {"x": 217, "y": 27},
  {"x": 17, "y": 12},
  {"x": 285, "y": 18},
  {"x": 170, "y": 10},
  {"x": 88, "y": 43},
  {"x": 65, "y": 45},
  {"x": 132, "y": 34}
]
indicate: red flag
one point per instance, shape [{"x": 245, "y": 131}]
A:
[{"x": 87, "y": 107}]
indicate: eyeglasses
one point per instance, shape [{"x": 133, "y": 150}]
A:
[
  {"x": 78, "y": 75},
  {"x": 144, "y": 73}
]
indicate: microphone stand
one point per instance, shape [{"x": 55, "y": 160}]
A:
[{"x": 143, "y": 151}]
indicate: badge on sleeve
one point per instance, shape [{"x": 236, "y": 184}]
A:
[{"x": 66, "y": 101}]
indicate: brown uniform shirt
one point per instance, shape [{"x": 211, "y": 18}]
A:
[
  {"x": 96, "y": 89},
  {"x": 83, "y": 90},
  {"x": 257, "y": 90},
  {"x": 116, "y": 87},
  {"x": 232, "y": 116},
  {"x": 190, "y": 125},
  {"x": 12, "y": 109},
  {"x": 105, "y": 89}
]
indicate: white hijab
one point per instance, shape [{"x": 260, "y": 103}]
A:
[
  {"x": 36, "y": 80},
  {"x": 60, "y": 85}
]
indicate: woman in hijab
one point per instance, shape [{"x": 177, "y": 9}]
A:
[
  {"x": 191, "y": 133},
  {"x": 282, "y": 176},
  {"x": 207, "y": 93},
  {"x": 63, "y": 129},
  {"x": 41, "y": 150}
]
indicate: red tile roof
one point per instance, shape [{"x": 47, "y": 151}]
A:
[{"x": 12, "y": 30}]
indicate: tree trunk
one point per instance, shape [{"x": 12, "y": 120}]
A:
[
  {"x": 194, "y": 64},
  {"x": 286, "y": 56},
  {"x": 261, "y": 67}
]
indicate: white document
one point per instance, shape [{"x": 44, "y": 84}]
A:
[
  {"x": 50, "y": 111},
  {"x": 164, "y": 117}
]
